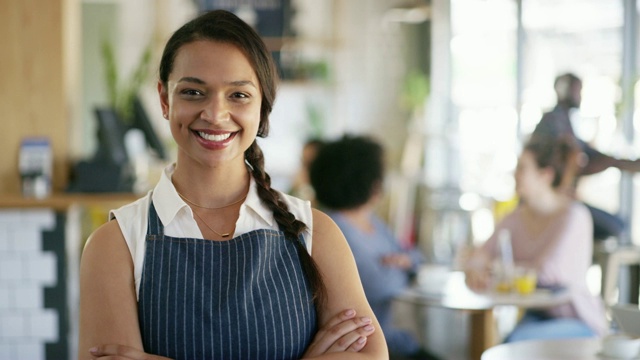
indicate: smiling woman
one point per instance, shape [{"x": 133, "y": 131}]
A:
[
  {"x": 215, "y": 102},
  {"x": 165, "y": 276}
]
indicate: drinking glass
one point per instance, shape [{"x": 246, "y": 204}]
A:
[{"x": 525, "y": 280}]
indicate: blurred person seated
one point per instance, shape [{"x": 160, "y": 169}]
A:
[
  {"x": 347, "y": 176},
  {"x": 300, "y": 186},
  {"x": 552, "y": 234},
  {"x": 557, "y": 124}
]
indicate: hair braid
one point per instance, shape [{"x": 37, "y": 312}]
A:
[{"x": 287, "y": 222}]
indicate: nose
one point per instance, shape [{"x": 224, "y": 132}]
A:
[{"x": 215, "y": 110}]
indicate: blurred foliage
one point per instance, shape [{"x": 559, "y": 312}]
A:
[
  {"x": 415, "y": 89},
  {"x": 121, "y": 93},
  {"x": 316, "y": 121}
]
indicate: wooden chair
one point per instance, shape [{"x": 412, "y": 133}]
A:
[{"x": 611, "y": 261}]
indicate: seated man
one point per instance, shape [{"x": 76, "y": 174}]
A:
[
  {"x": 347, "y": 177},
  {"x": 556, "y": 124}
]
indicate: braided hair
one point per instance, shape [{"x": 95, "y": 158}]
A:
[{"x": 223, "y": 26}]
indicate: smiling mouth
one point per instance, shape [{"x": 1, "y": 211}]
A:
[{"x": 214, "y": 137}]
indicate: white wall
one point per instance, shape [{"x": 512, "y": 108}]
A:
[{"x": 366, "y": 69}]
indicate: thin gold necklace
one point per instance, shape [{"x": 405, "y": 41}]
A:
[
  {"x": 225, "y": 235},
  {"x": 212, "y": 208}
]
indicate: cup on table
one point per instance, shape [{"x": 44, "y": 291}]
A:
[
  {"x": 501, "y": 277},
  {"x": 620, "y": 346},
  {"x": 524, "y": 280}
]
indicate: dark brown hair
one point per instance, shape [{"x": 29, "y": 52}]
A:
[
  {"x": 223, "y": 26},
  {"x": 347, "y": 172},
  {"x": 559, "y": 154}
]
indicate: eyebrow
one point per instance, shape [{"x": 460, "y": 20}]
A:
[
  {"x": 195, "y": 80},
  {"x": 243, "y": 83},
  {"x": 191, "y": 80}
]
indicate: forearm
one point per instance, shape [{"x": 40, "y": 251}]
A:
[
  {"x": 598, "y": 162},
  {"x": 628, "y": 165},
  {"x": 350, "y": 355}
]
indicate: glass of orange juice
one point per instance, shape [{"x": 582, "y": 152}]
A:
[
  {"x": 525, "y": 280},
  {"x": 502, "y": 278}
]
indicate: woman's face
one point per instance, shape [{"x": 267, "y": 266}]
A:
[
  {"x": 530, "y": 178},
  {"x": 212, "y": 100}
]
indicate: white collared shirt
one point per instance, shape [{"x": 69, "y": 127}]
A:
[{"x": 178, "y": 220}]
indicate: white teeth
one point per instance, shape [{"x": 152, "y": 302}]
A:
[{"x": 213, "y": 137}]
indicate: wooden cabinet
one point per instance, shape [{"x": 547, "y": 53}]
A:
[{"x": 37, "y": 87}]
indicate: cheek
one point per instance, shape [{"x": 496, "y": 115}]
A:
[
  {"x": 251, "y": 117},
  {"x": 184, "y": 110},
  {"x": 176, "y": 128}
]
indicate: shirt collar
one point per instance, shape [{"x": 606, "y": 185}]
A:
[
  {"x": 165, "y": 197},
  {"x": 254, "y": 203},
  {"x": 168, "y": 203}
]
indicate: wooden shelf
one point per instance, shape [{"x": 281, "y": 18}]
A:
[{"x": 62, "y": 201}]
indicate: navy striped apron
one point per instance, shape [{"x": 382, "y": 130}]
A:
[{"x": 245, "y": 298}]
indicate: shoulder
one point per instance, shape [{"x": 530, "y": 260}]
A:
[
  {"x": 117, "y": 234},
  {"x": 323, "y": 223},
  {"x": 132, "y": 219},
  {"x": 301, "y": 209},
  {"x": 119, "y": 230},
  {"x": 135, "y": 208},
  {"x": 512, "y": 219},
  {"x": 296, "y": 205},
  {"x": 578, "y": 212},
  {"x": 577, "y": 228},
  {"x": 104, "y": 237},
  {"x": 549, "y": 124},
  {"x": 106, "y": 252},
  {"x": 328, "y": 237}
]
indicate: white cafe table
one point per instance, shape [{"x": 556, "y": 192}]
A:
[
  {"x": 451, "y": 292},
  {"x": 551, "y": 349}
]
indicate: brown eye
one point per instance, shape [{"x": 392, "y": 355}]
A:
[
  {"x": 240, "y": 95},
  {"x": 191, "y": 92}
]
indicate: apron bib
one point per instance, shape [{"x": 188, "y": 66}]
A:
[{"x": 245, "y": 298}]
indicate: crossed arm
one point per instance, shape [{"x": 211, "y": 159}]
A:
[{"x": 108, "y": 309}]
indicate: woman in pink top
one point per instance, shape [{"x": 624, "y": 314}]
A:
[{"x": 552, "y": 233}]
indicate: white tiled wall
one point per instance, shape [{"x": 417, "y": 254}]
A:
[{"x": 25, "y": 271}]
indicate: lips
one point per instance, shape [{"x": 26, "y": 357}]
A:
[
  {"x": 214, "y": 137},
  {"x": 214, "y": 140}
]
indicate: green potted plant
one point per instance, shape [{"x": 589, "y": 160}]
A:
[{"x": 121, "y": 93}]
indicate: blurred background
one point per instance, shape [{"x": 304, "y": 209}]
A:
[{"x": 451, "y": 89}]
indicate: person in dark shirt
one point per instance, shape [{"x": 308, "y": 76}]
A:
[
  {"x": 556, "y": 124},
  {"x": 347, "y": 176}
]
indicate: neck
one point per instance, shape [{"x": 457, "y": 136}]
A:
[
  {"x": 359, "y": 217},
  {"x": 547, "y": 203},
  {"x": 211, "y": 186}
]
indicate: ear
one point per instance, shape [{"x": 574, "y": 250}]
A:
[{"x": 163, "y": 94}]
